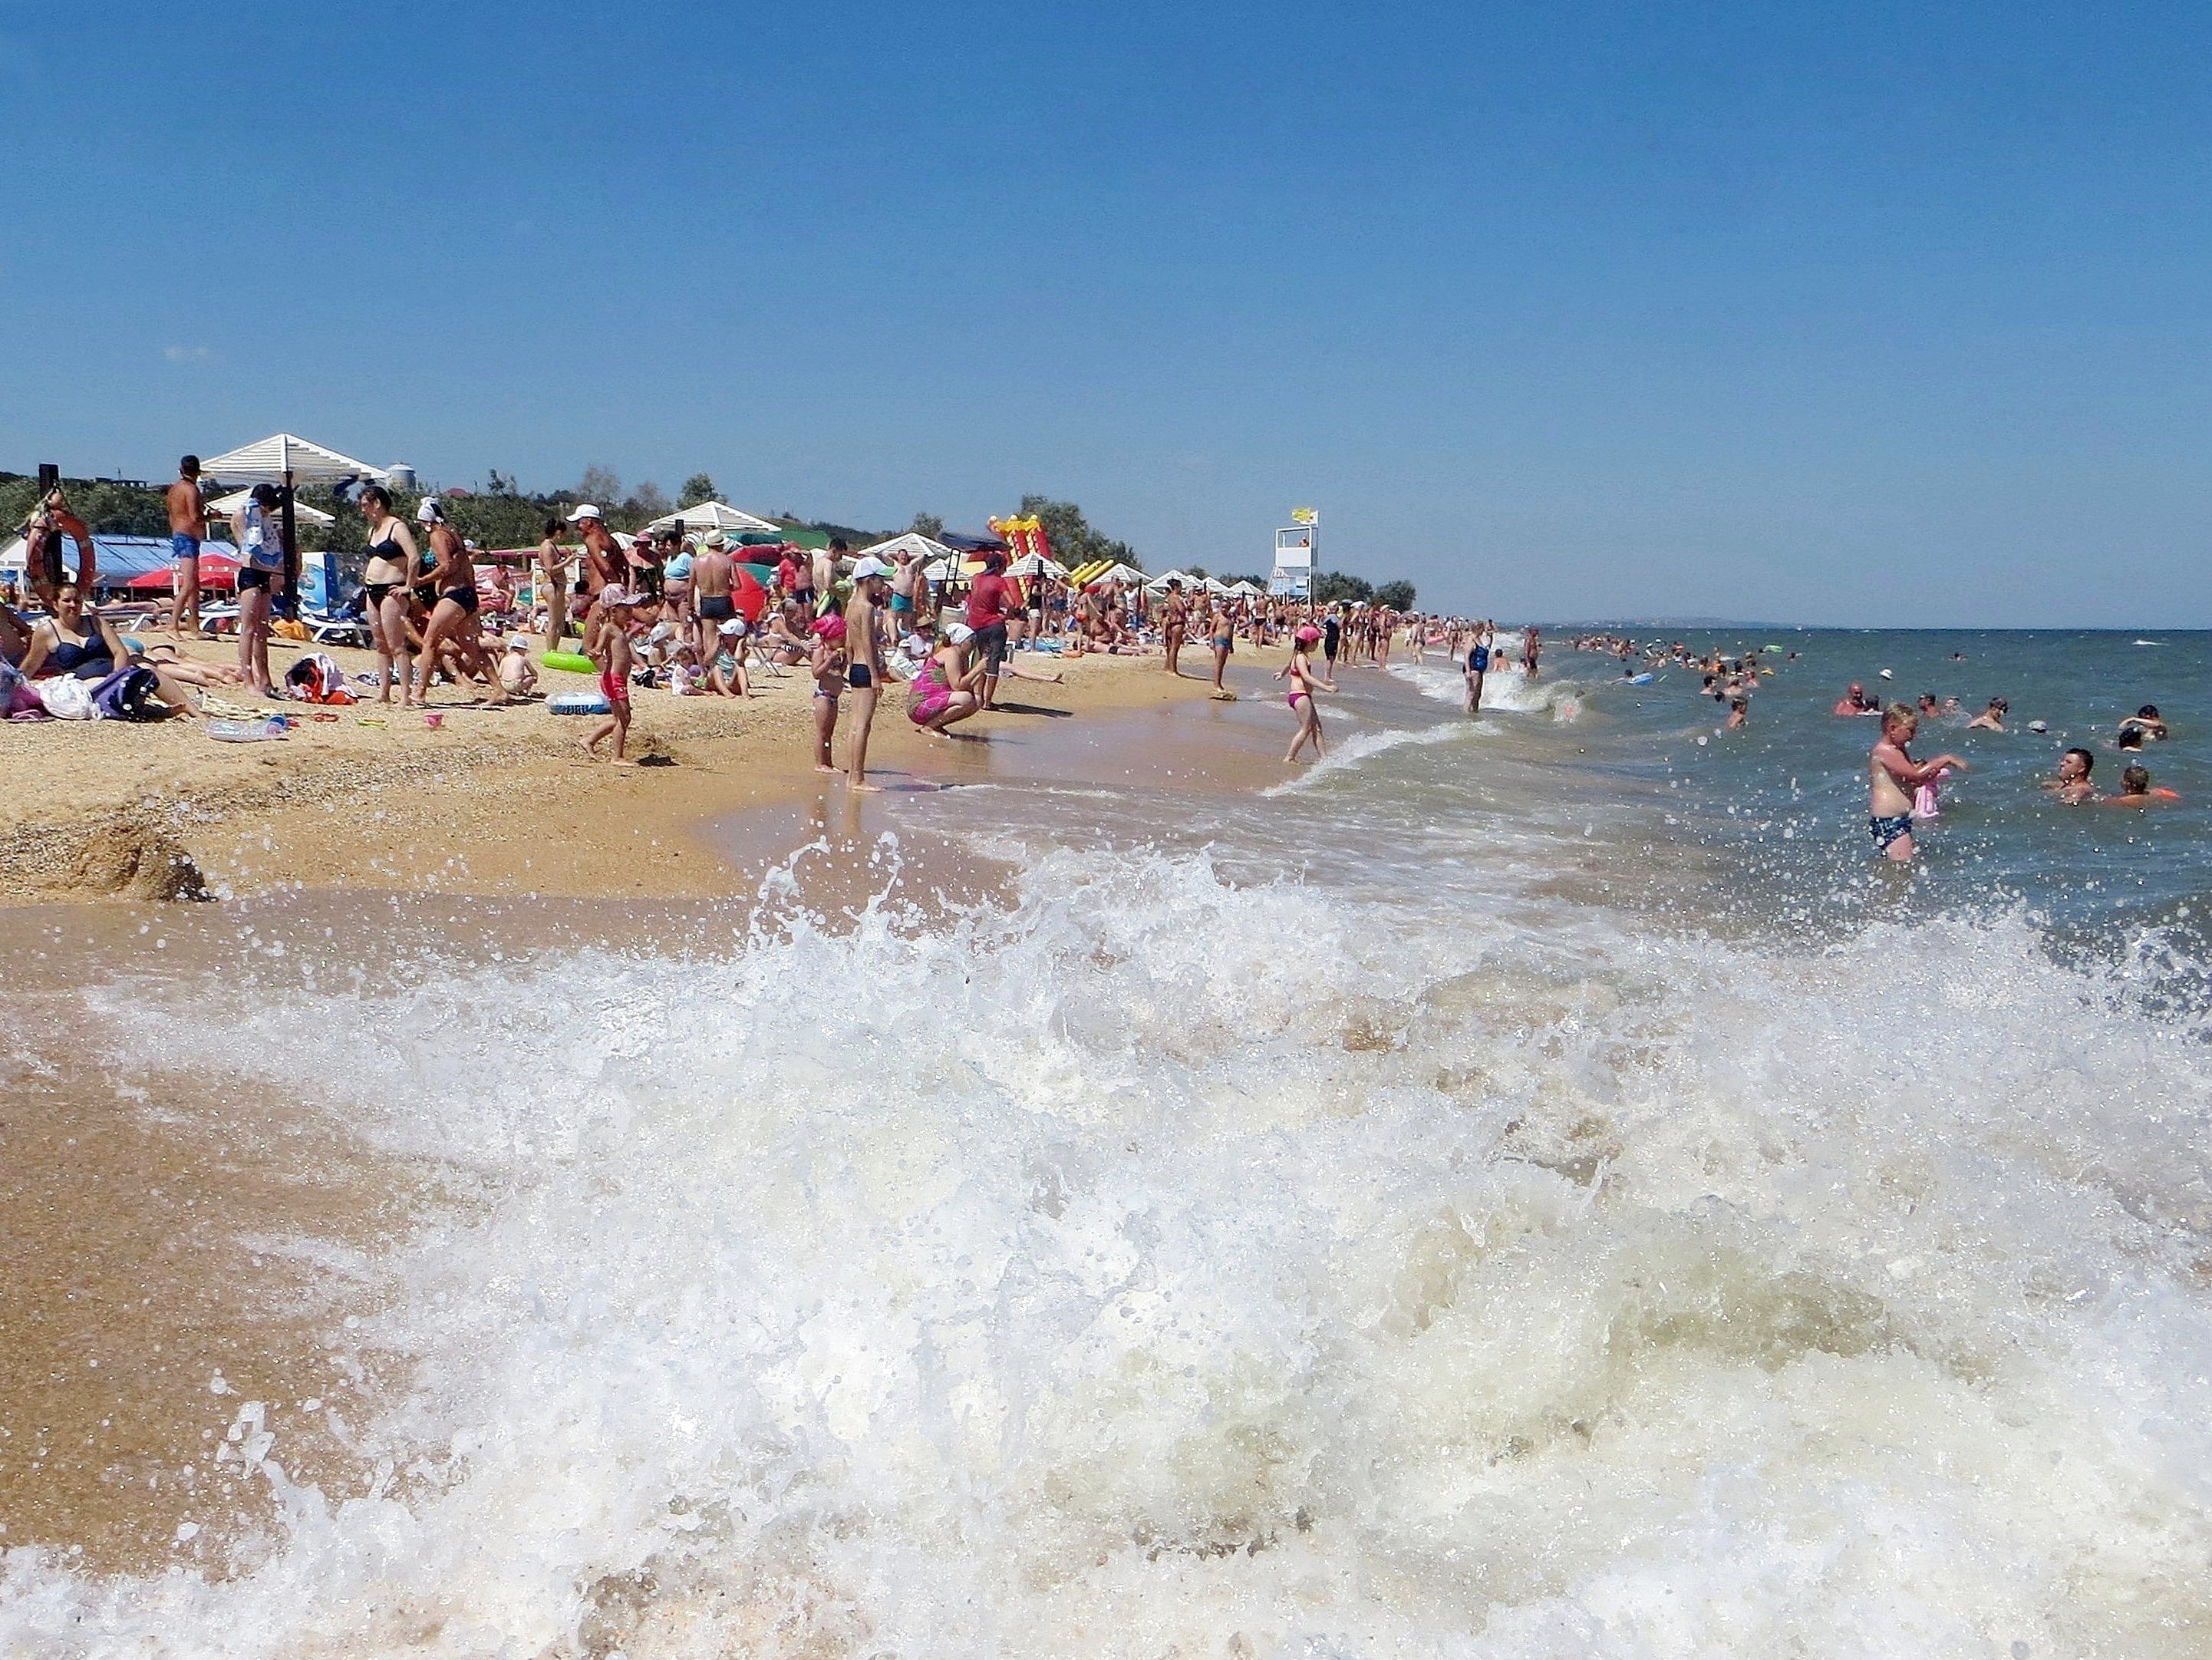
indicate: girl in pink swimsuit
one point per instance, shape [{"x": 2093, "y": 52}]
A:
[{"x": 1300, "y": 672}]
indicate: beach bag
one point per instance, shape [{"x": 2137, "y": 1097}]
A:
[
  {"x": 66, "y": 698},
  {"x": 132, "y": 694},
  {"x": 317, "y": 678}
]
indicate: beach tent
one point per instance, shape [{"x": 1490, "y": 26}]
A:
[
  {"x": 1159, "y": 584},
  {"x": 286, "y": 458},
  {"x": 121, "y": 558},
  {"x": 1035, "y": 564},
  {"x": 1249, "y": 590},
  {"x": 939, "y": 570},
  {"x": 1215, "y": 585},
  {"x": 223, "y": 506},
  {"x": 961, "y": 542},
  {"x": 1108, "y": 571},
  {"x": 913, "y": 542},
  {"x": 709, "y": 515}
]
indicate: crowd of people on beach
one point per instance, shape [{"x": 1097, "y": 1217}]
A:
[
  {"x": 697, "y": 615},
  {"x": 666, "y": 609}
]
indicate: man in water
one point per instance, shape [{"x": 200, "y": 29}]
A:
[
  {"x": 1892, "y": 775},
  {"x": 1478, "y": 665},
  {"x": 187, "y": 519},
  {"x": 1991, "y": 718},
  {"x": 2071, "y": 783},
  {"x": 2147, "y": 722},
  {"x": 2135, "y": 791},
  {"x": 1855, "y": 700},
  {"x": 1531, "y": 642}
]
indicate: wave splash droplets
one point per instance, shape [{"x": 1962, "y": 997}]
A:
[{"x": 1082, "y": 1280}]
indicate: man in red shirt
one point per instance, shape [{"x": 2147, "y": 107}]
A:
[{"x": 988, "y": 602}]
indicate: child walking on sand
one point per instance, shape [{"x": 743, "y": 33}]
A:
[
  {"x": 827, "y": 664},
  {"x": 609, "y": 646},
  {"x": 1300, "y": 672}
]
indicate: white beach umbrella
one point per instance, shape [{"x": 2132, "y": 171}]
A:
[
  {"x": 709, "y": 515},
  {"x": 224, "y": 505},
  {"x": 270, "y": 460},
  {"x": 1035, "y": 564},
  {"x": 914, "y": 541}
]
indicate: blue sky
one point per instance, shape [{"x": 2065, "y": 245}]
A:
[{"x": 1875, "y": 315}]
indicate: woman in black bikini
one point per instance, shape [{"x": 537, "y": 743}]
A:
[
  {"x": 454, "y": 617},
  {"x": 384, "y": 591}
]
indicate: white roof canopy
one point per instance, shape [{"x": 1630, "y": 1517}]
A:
[
  {"x": 1120, "y": 572},
  {"x": 224, "y": 505},
  {"x": 1249, "y": 589},
  {"x": 709, "y": 515},
  {"x": 1035, "y": 564},
  {"x": 268, "y": 461},
  {"x": 1166, "y": 577},
  {"x": 914, "y": 541}
]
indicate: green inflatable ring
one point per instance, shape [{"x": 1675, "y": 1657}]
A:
[{"x": 574, "y": 661}]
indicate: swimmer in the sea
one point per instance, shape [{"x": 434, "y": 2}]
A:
[
  {"x": 2146, "y": 721},
  {"x": 1855, "y": 700},
  {"x": 1893, "y": 775},
  {"x": 1991, "y": 718},
  {"x": 2137, "y": 791},
  {"x": 2071, "y": 783}
]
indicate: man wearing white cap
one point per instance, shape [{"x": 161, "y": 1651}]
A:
[{"x": 602, "y": 554}]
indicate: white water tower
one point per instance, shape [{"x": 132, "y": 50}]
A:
[{"x": 403, "y": 476}]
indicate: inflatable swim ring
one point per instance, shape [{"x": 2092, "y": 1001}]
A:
[{"x": 574, "y": 661}]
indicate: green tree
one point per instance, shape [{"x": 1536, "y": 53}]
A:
[
  {"x": 1073, "y": 540},
  {"x": 1396, "y": 596},
  {"x": 929, "y": 525},
  {"x": 1331, "y": 585},
  {"x": 600, "y": 486},
  {"x": 697, "y": 488},
  {"x": 648, "y": 502}
]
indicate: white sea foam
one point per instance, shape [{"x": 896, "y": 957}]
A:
[
  {"x": 1173, "y": 1266},
  {"x": 1351, "y": 752},
  {"x": 1506, "y": 689}
]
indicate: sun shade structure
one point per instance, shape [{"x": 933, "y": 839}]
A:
[
  {"x": 913, "y": 542},
  {"x": 1035, "y": 564},
  {"x": 709, "y": 515},
  {"x": 271, "y": 459},
  {"x": 1105, "y": 570},
  {"x": 225, "y": 506},
  {"x": 960, "y": 541}
]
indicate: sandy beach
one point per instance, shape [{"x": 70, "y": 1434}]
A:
[{"x": 494, "y": 801}]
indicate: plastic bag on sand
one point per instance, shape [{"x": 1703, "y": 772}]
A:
[{"x": 245, "y": 731}]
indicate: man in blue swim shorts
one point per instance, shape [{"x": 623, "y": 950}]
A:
[{"x": 187, "y": 516}]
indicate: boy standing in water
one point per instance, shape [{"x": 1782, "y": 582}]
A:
[{"x": 1892, "y": 776}]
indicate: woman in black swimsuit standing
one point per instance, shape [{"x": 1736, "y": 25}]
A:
[
  {"x": 384, "y": 591},
  {"x": 453, "y": 578}
]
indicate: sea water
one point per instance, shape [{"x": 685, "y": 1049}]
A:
[{"x": 1531, "y": 1185}]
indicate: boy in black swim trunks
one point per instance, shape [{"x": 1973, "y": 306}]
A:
[{"x": 1892, "y": 775}]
